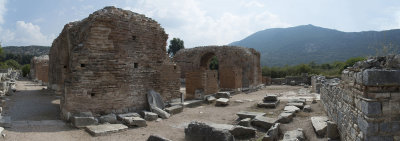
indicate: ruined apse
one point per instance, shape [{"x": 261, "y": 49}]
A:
[
  {"x": 239, "y": 68},
  {"x": 108, "y": 62},
  {"x": 40, "y": 69}
]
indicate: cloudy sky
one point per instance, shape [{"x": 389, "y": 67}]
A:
[{"x": 197, "y": 22}]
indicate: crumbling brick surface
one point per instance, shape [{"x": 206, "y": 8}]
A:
[
  {"x": 365, "y": 103},
  {"x": 109, "y": 61},
  {"x": 238, "y": 67},
  {"x": 40, "y": 68}
]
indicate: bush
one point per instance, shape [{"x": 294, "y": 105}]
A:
[
  {"x": 26, "y": 69},
  {"x": 13, "y": 64},
  {"x": 328, "y": 69}
]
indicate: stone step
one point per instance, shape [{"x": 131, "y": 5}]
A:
[{"x": 103, "y": 129}]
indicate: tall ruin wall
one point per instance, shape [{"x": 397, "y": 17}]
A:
[
  {"x": 109, "y": 61},
  {"x": 238, "y": 67},
  {"x": 365, "y": 103},
  {"x": 40, "y": 69}
]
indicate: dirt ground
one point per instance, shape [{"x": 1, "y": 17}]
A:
[{"x": 35, "y": 116}]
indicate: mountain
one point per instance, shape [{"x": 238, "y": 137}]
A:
[
  {"x": 27, "y": 50},
  {"x": 307, "y": 43}
]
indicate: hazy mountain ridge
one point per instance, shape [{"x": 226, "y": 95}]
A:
[
  {"x": 27, "y": 50},
  {"x": 306, "y": 43}
]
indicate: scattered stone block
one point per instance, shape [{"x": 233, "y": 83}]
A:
[
  {"x": 242, "y": 132},
  {"x": 273, "y": 133},
  {"x": 5, "y": 121},
  {"x": 80, "y": 122},
  {"x": 163, "y": 114},
  {"x": 291, "y": 109},
  {"x": 149, "y": 116},
  {"x": 239, "y": 101},
  {"x": 210, "y": 99},
  {"x": 294, "y": 135},
  {"x": 245, "y": 122},
  {"x": 270, "y": 97},
  {"x": 297, "y": 100},
  {"x": 110, "y": 118},
  {"x": 263, "y": 122},
  {"x": 223, "y": 95},
  {"x": 307, "y": 108},
  {"x": 134, "y": 121},
  {"x": 270, "y": 104},
  {"x": 157, "y": 138},
  {"x": 285, "y": 117},
  {"x": 298, "y": 105},
  {"x": 198, "y": 131},
  {"x": 319, "y": 124},
  {"x": 332, "y": 131},
  {"x": 155, "y": 100},
  {"x": 103, "y": 129},
  {"x": 174, "y": 109},
  {"x": 192, "y": 103},
  {"x": 251, "y": 115},
  {"x": 121, "y": 116},
  {"x": 222, "y": 102}
]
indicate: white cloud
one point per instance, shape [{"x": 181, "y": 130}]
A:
[
  {"x": 185, "y": 19},
  {"x": 3, "y": 10},
  {"x": 253, "y": 4},
  {"x": 25, "y": 33}
]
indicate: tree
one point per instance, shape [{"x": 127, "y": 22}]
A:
[
  {"x": 1, "y": 52},
  {"x": 214, "y": 63},
  {"x": 175, "y": 45},
  {"x": 26, "y": 69},
  {"x": 13, "y": 64}
]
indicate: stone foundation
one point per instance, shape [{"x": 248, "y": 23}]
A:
[{"x": 365, "y": 103}]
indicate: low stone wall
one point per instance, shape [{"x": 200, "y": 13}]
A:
[{"x": 365, "y": 104}]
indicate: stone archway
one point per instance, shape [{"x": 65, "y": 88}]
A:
[{"x": 238, "y": 68}]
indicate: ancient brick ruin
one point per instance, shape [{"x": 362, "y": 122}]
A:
[
  {"x": 239, "y": 68},
  {"x": 365, "y": 103},
  {"x": 109, "y": 61},
  {"x": 40, "y": 69}
]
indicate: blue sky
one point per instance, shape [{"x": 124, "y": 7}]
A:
[{"x": 198, "y": 23}]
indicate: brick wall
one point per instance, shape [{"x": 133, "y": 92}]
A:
[
  {"x": 40, "y": 68},
  {"x": 231, "y": 78},
  {"x": 203, "y": 80},
  {"x": 242, "y": 65},
  {"x": 365, "y": 103},
  {"x": 108, "y": 62}
]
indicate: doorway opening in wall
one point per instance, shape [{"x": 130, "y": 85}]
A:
[{"x": 209, "y": 61}]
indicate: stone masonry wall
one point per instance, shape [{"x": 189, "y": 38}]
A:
[
  {"x": 365, "y": 103},
  {"x": 40, "y": 69},
  {"x": 108, "y": 62}
]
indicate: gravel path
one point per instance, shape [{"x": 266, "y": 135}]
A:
[{"x": 30, "y": 102}]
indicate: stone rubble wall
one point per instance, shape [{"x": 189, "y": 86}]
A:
[
  {"x": 109, "y": 61},
  {"x": 365, "y": 103},
  {"x": 7, "y": 80},
  {"x": 40, "y": 69}
]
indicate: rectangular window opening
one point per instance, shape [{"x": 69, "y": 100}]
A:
[
  {"x": 83, "y": 65},
  {"x": 135, "y": 65}
]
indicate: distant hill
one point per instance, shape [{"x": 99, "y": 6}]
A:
[
  {"x": 27, "y": 50},
  {"x": 306, "y": 43}
]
